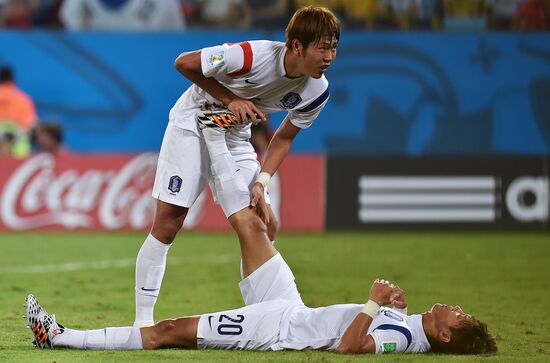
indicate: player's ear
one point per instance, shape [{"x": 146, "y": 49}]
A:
[
  {"x": 297, "y": 47},
  {"x": 444, "y": 336}
]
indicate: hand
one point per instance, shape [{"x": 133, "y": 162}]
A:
[
  {"x": 246, "y": 110},
  {"x": 397, "y": 298},
  {"x": 258, "y": 202},
  {"x": 380, "y": 292}
]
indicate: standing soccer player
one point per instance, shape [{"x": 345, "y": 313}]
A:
[{"x": 250, "y": 79}]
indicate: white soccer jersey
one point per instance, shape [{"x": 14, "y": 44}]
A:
[
  {"x": 255, "y": 71},
  {"x": 323, "y": 328},
  {"x": 394, "y": 331},
  {"x": 276, "y": 318}
]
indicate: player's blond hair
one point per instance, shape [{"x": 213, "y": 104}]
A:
[{"x": 311, "y": 24}]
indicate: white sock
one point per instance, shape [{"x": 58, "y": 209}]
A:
[
  {"x": 231, "y": 189},
  {"x": 222, "y": 161},
  {"x": 108, "y": 338},
  {"x": 150, "y": 266}
]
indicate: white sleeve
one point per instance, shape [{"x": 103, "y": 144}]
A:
[
  {"x": 221, "y": 60},
  {"x": 304, "y": 117},
  {"x": 389, "y": 341}
]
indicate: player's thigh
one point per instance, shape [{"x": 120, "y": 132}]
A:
[
  {"x": 254, "y": 327},
  {"x": 182, "y": 168}
]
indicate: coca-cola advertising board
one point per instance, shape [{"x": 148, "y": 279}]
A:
[{"x": 113, "y": 192}]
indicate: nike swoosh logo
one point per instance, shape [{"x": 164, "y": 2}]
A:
[
  {"x": 144, "y": 289},
  {"x": 248, "y": 81}
]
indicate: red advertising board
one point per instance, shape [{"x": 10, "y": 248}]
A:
[{"x": 113, "y": 192}]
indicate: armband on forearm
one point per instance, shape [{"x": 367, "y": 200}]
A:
[
  {"x": 371, "y": 309},
  {"x": 263, "y": 178}
]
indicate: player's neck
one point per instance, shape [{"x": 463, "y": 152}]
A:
[
  {"x": 428, "y": 325},
  {"x": 292, "y": 65}
]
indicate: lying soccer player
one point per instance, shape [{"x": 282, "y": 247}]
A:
[{"x": 275, "y": 318}]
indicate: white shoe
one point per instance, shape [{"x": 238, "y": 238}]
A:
[{"x": 43, "y": 326}]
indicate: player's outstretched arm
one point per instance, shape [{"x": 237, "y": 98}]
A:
[
  {"x": 277, "y": 151},
  {"x": 355, "y": 339}
]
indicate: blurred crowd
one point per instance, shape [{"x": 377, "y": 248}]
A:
[
  {"x": 175, "y": 15},
  {"x": 20, "y": 130}
]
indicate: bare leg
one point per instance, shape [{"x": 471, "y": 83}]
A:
[
  {"x": 256, "y": 247},
  {"x": 168, "y": 221},
  {"x": 273, "y": 226},
  {"x": 174, "y": 333},
  {"x": 272, "y": 229},
  {"x": 233, "y": 193}
]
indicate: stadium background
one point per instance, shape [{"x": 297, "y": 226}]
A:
[
  {"x": 455, "y": 125},
  {"x": 405, "y": 95}
]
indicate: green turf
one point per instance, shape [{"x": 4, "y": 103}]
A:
[{"x": 502, "y": 278}]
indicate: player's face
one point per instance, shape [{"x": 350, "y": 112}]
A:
[
  {"x": 318, "y": 57},
  {"x": 446, "y": 316}
]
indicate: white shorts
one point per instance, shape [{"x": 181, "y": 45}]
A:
[
  {"x": 269, "y": 293},
  {"x": 184, "y": 169}
]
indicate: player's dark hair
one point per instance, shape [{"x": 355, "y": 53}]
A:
[
  {"x": 311, "y": 24},
  {"x": 6, "y": 74},
  {"x": 472, "y": 337}
]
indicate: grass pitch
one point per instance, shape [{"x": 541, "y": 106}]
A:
[{"x": 87, "y": 280}]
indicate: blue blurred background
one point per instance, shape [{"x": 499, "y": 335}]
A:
[
  {"x": 411, "y": 77},
  {"x": 411, "y": 93}
]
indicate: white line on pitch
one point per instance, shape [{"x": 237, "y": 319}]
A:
[{"x": 122, "y": 263}]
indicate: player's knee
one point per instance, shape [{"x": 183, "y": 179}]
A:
[
  {"x": 165, "y": 230},
  {"x": 256, "y": 225},
  {"x": 163, "y": 234},
  {"x": 168, "y": 221},
  {"x": 248, "y": 223}
]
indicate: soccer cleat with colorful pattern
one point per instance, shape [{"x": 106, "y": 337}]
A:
[
  {"x": 43, "y": 326},
  {"x": 222, "y": 118}
]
